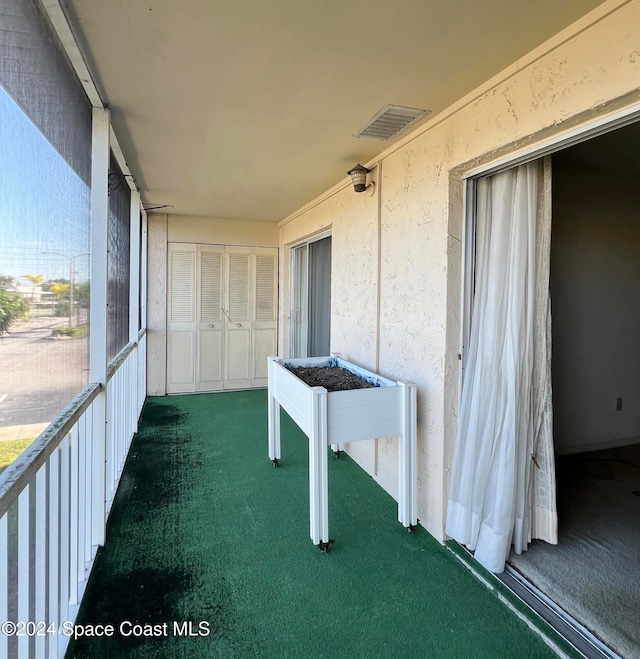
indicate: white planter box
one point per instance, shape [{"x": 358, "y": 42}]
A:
[{"x": 337, "y": 417}]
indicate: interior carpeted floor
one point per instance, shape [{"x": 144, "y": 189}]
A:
[
  {"x": 594, "y": 571},
  {"x": 204, "y": 529}
]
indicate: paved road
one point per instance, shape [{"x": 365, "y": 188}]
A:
[{"x": 39, "y": 375}]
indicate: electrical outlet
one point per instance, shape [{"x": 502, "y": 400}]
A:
[{"x": 618, "y": 404}]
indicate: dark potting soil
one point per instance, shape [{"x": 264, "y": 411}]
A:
[{"x": 332, "y": 378}]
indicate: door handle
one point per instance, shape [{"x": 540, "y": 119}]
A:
[
  {"x": 238, "y": 324},
  {"x": 211, "y": 325}
]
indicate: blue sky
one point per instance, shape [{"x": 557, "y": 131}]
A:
[{"x": 44, "y": 205}]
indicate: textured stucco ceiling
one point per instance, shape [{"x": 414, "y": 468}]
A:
[{"x": 245, "y": 109}]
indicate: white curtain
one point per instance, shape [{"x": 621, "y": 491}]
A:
[{"x": 502, "y": 487}]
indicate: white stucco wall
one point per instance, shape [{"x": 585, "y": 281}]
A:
[
  {"x": 156, "y": 304},
  {"x": 163, "y": 229},
  {"x": 397, "y": 255}
]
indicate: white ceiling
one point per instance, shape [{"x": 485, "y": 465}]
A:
[{"x": 245, "y": 109}]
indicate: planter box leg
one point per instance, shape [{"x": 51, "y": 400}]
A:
[
  {"x": 318, "y": 470},
  {"x": 273, "y": 416},
  {"x": 407, "y": 457}
]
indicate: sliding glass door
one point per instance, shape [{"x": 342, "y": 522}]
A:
[{"x": 311, "y": 299}]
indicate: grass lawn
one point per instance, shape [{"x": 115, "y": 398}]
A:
[{"x": 10, "y": 449}]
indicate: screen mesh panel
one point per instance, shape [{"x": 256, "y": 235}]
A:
[
  {"x": 118, "y": 270},
  {"x": 35, "y": 72},
  {"x": 45, "y": 170}
]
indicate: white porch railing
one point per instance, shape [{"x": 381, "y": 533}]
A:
[
  {"x": 122, "y": 415},
  {"x": 48, "y": 520}
]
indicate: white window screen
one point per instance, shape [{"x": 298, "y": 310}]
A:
[{"x": 119, "y": 261}]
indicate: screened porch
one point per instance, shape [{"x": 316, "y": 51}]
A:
[{"x": 175, "y": 206}]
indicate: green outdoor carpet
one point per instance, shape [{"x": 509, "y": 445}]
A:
[{"x": 204, "y": 529}]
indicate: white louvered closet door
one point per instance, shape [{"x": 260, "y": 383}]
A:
[
  {"x": 210, "y": 330},
  {"x": 181, "y": 319},
  {"x": 237, "y": 372},
  {"x": 222, "y": 313},
  {"x": 265, "y": 286}
]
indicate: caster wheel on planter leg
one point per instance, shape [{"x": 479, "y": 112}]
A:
[
  {"x": 324, "y": 546},
  {"x": 274, "y": 462}
]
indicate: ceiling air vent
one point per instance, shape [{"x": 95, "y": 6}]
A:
[{"x": 389, "y": 121}]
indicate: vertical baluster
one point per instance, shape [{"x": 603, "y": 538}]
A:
[
  {"x": 89, "y": 482},
  {"x": 64, "y": 527},
  {"x": 74, "y": 479},
  {"x": 130, "y": 399},
  {"x": 118, "y": 437},
  {"x": 113, "y": 434},
  {"x": 54, "y": 547},
  {"x": 115, "y": 420},
  {"x": 24, "y": 560},
  {"x": 4, "y": 581},
  {"x": 126, "y": 421},
  {"x": 122, "y": 406},
  {"x": 133, "y": 393},
  {"x": 41, "y": 557},
  {"x": 109, "y": 447},
  {"x": 82, "y": 496}
]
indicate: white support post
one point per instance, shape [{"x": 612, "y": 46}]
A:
[
  {"x": 407, "y": 455},
  {"x": 98, "y": 335},
  {"x": 134, "y": 267},
  {"x": 143, "y": 270},
  {"x": 273, "y": 413},
  {"x": 134, "y": 299},
  {"x": 318, "y": 468}
]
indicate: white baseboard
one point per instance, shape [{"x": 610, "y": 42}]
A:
[{"x": 597, "y": 446}]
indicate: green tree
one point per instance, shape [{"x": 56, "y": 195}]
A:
[
  {"x": 61, "y": 295},
  {"x": 34, "y": 279},
  {"x": 7, "y": 281},
  {"x": 60, "y": 291},
  {"x": 53, "y": 285},
  {"x": 12, "y": 307},
  {"x": 81, "y": 291}
]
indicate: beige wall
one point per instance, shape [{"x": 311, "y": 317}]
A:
[
  {"x": 397, "y": 255},
  {"x": 186, "y": 229},
  {"x": 163, "y": 229},
  {"x": 156, "y": 304},
  {"x": 595, "y": 262}
]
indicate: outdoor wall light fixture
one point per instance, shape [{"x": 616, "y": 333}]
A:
[{"x": 358, "y": 176}]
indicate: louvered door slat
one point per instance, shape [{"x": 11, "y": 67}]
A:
[
  {"x": 238, "y": 287},
  {"x": 181, "y": 268},
  {"x": 265, "y": 287},
  {"x": 210, "y": 287}
]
